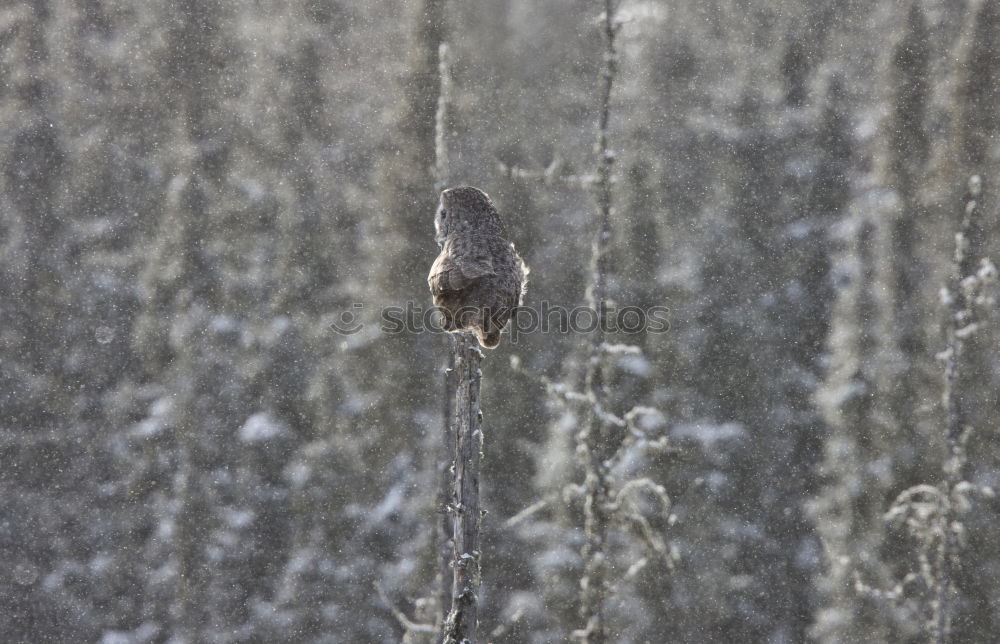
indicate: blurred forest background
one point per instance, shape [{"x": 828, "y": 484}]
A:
[{"x": 194, "y": 190}]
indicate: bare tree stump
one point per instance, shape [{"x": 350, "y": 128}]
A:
[{"x": 467, "y": 420}]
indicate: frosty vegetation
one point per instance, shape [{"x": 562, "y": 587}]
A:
[{"x": 193, "y": 192}]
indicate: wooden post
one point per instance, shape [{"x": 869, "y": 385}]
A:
[{"x": 467, "y": 420}]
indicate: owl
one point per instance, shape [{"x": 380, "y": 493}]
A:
[{"x": 478, "y": 279}]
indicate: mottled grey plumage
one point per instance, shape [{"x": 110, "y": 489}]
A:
[{"x": 478, "y": 279}]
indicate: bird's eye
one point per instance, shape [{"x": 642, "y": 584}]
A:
[{"x": 444, "y": 214}]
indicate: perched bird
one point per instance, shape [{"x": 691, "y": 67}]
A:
[{"x": 478, "y": 279}]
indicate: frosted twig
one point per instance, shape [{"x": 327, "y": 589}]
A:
[
  {"x": 603, "y": 435},
  {"x": 507, "y": 624},
  {"x": 931, "y": 514},
  {"x": 620, "y": 349},
  {"x": 528, "y": 512},
  {"x": 404, "y": 621},
  {"x": 642, "y": 484},
  {"x": 548, "y": 176}
]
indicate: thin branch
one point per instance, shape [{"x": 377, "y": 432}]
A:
[
  {"x": 404, "y": 621},
  {"x": 507, "y": 624},
  {"x": 548, "y": 176},
  {"x": 932, "y": 514},
  {"x": 528, "y": 512},
  {"x": 605, "y": 435},
  {"x": 963, "y": 286}
]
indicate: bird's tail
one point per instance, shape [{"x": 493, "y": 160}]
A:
[{"x": 489, "y": 340}]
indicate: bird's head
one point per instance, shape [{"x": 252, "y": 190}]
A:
[{"x": 466, "y": 211}]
